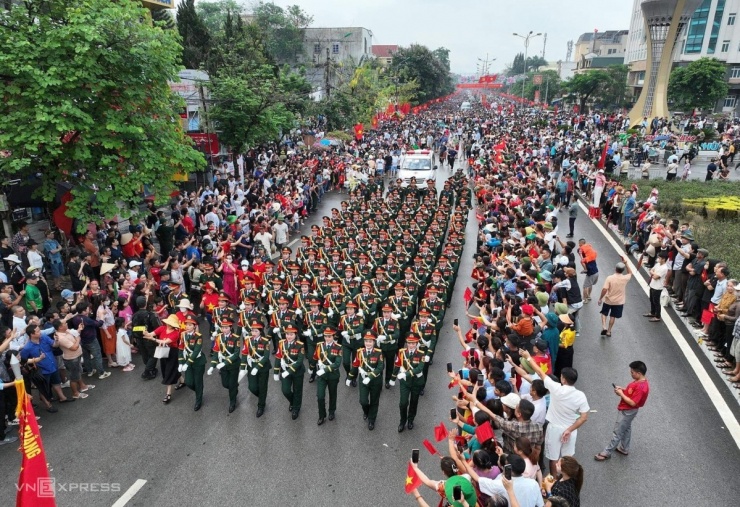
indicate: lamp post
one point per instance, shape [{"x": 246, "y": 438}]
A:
[{"x": 526, "y": 38}]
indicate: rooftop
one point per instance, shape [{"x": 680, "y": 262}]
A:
[
  {"x": 609, "y": 36},
  {"x": 384, "y": 50}
]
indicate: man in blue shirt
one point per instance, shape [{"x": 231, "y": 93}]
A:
[{"x": 39, "y": 352}]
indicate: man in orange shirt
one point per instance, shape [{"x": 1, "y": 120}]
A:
[
  {"x": 588, "y": 261},
  {"x": 91, "y": 248}
]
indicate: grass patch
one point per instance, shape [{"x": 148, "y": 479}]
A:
[{"x": 712, "y": 209}]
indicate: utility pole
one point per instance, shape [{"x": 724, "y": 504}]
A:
[
  {"x": 326, "y": 74},
  {"x": 544, "y": 45},
  {"x": 526, "y": 39}
]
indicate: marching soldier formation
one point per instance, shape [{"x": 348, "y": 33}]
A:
[{"x": 365, "y": 293}]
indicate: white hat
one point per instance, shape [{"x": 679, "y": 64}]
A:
[
  {"x": 133, "y": 264},
  {"x": 106, "y": 267},
  {"x": 13, "y": 258},
  {"x": 185, "y": 303},
  {"x": 511, "y": 400},
  {"x": 245, "y": 262}
]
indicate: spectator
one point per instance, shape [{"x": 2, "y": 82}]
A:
[
  {"x": 38, "y": 354},
  {"x": 69, "y": 342},
  {"x": 614, "y": 295},
  {"x": 568, "y": 485},
  {"x": 92, "y": 359},
  {"x": 657, "y": 279}
]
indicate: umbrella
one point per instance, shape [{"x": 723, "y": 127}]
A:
[
  {"x": 325, "y": 142},
  {"x": 661, "y": 138}
]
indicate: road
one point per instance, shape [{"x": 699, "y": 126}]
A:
[{"x": 682, "y": 452}]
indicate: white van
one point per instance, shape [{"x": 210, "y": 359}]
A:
[
  {"x": 465, "y": 106},
  {"x": 418, "y": 164}
]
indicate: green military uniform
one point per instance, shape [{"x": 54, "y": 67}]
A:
[
  {"x": 256, "y": 363},
  {"x": 315, "y": 322},
  {"x": 290, "y": 370},
  {"x": 328, "y": 358},
  {"x": 435, "y": 306},
  {"x": 388, "y": 331},
  {"x": 409, "y": 368},
  {"x": 369, "y": 365},
  {"x": 352, "y": 328},
  {"x": 335, "y": 303},
  {"x": 280, "y": 320},
  {"x": 225, "y": 357},
  {"x": 193, "y": 361}
]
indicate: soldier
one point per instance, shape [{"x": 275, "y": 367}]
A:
[
  {"x": 310, "y": 264},
  {"x": 281, "y": 319},
  {"x": 249, "y": 314},
  {"x": 283, "y": 264},
  {"x": 367, "y": 303},
  {"x": 192, "y": 359},
  {"x": 328, "y": 358},
  {"x": 435, "y": 306},
  {"x": 225, "y": 357},
  {"x": 255, "y": 357},
  {"x": 409, "y": 369},
  {"x": 352, "y": 326},
  {"x": 427, "y": 333},
  {"x": 290, "y": 370},
  {"x": 225, "y": 311},
  {"x": 364, "y": 268},
  {"x": 248, "y": 290},
  {"x": 388, "y": 331},
  {"x": 350, "y": 282},
  {"x": 369, "y": 364},
  {"x": 381, "y": 283},
  {"x": 392, "y": 269},
  {"x": 302, "y": 298},
  {"x": 334, "y": 302},
  {"x": 315, "y": 321},
  {"x": 209, "y": 274},
  {"x": 335, "y": 263},
  {"x": 177, "y": 294},
  {"x": 322, "y": 283}
]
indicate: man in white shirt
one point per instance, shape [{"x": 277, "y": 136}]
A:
[
  {"x": 657, "y": 279},
  {"x": 536, "y": 395},
  {"x": 280, "y": 231},
  {"x": 265, "y": 238},
  {"x": 568, "y": 411},
  {"x": 527, "y": 491}
]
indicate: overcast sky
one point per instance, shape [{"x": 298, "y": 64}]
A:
[{"x": 472, "y": 28}]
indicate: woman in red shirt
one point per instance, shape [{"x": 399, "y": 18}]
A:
[{"x": 168, "y": 335}]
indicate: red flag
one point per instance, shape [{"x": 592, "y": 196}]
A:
[
  {"x": 374, "y": 122},
  {"x": 35, "y": 487},
  {"x": 440, "y": 432},
  {"x": 484, "y": 432},
  {"x": 453, "y": 383},
  {"x": 602, "y": 160},
  {"x": 429, "y": 447},
  {"x": 358, "y": 131},
  {"x": 468, "y": 295},
  {"x": 412, "y": 480}
]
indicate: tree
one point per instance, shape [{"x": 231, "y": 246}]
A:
[
  {"x": 700, "y": 84},
  {"x": 443, "y": 55},
  {"x": 213, "y": 14},
  {"x": 586, "y": 85},
  {"x": 86, "y": 100},
  {"x": 549, "y": 89},
  {"x": 613, "y": 93},
  {"x": 417, "y": 63},
  {"x": 535, "y": 62},
  {"x": 605, "y": 87},
  {"x": 164, "y": 19},
  {"x": 517, "y": 66},
  {"x": 283, "y": 29},
  {"x": 196, "y": 39}
]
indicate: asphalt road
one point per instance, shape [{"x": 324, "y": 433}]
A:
[{"x": 681, "y": 452}]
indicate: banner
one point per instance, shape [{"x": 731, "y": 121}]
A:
[
  {"x": 537, "y": 96},
  {"x": 466, "y": 86},
  {"x": 35, "y": 487}
]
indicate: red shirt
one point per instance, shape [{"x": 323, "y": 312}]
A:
[
  {"x": 637, "y": 392},
  {"x": 172, "y": 335}
]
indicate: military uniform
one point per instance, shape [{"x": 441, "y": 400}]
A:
[
  {"x": 352, "y": 328},
  {"x": 290, "y": 370},
  {"x": 280, "y": 320},
  {"x": 328, "y": 359},
  {"x": 193, "y": 361},
  {"x": 409, "y": 368},
  {"x": 369, "y": 365},
  {"x": 255, "y": 357},
  {"x": 314, "y": 324},
  {"x": 388, "y": 331},
  {"x": 225, "y": 357}
]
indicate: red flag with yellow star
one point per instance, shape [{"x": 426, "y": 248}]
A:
[
  {"x": 35, "y": 487},
  {"x": 412, "y": 480}
]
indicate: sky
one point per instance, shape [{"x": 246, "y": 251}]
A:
[{"x": 472, "y": 29}]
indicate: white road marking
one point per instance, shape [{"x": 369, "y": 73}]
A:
[
  {"x": 130, "y": 492},
  {"x": 701, "y": 373}
]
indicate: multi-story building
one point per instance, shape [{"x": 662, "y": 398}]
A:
[
  {"x": 598, "y": 50},
  {"x": 635, "y": 55}
]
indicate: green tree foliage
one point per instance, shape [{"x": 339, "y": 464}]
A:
[
  {"x": 164, "y": 18},
  {"x": 517, "y": 66},
  {"x": 443, "y": 55},
  {"x": 700, "y": 84},
  {"x": 418, "y": 64},
  {"x": 614, "y": 92},
  {"x": 603, "y": 87},
  {"x": 213, "y": 14},
  {"x": 196, "y": 39},
  {"x": 283, "y": 29},
  {"x": 86, "y": 100},
  {"x": 551, "y": 85}
]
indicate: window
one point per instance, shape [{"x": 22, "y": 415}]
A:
[
  {"x": 731, "y": 19},
  {"x": 718, "y": 14},
  {"x": 697, "y": 28},
  {"x": 735, "y": 73},
  {"x": 730, "y": 102},
  {"x": 725, "y": 46},
  {"x": 611, "y": 51},
  {"x": 335, "y": 48},
  {"x": 317, "y": 48}
]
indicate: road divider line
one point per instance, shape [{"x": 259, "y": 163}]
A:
[
  {"x": 731, "y": 422},
  {"x": 130, "y": 492}
]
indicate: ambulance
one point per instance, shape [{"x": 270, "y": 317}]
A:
[{"x": 418, "y": 164}]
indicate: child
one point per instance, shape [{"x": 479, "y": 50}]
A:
[{"x": 123, "y": 345}]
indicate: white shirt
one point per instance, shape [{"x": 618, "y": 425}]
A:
[
  {"x": 265, "y": 238},
  {"x": 660, "y": 270},
  {"x": 540, "y": 409},
  {"x": 527, "y": 491},
  {"x": 566, "y": 404},
  {"x": 36, "y": 260},
  {"x": 281, "y": 232}
]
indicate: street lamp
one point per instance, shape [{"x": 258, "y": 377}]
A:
[
  {"x": 485, "y": 63},
  {"x": 526, "y": 38}
]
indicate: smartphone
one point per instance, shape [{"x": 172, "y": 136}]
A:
[
  {"x": 453, "y": 413},
  {"x": 456, "y": 321},
  {"x": 507, "y": 472},
  {"x": 460, "y": 395},
  {"x": 459, "y": 372},
  {"x": 414, "y": 455},
  {"x": 457, "y": 493},
  {"x": 614, "y": 386},
  {"x": 449, "y": 367},
  {"x": 480, "y": 381}
]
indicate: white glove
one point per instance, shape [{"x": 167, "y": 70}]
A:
[
  {"x": 210, "y": 371},
  {"x": 348, "y": 382},
  {"x": 254, "y": 372},
  {"x": 358, "y": 279},
  {"x": 220, "y": 366},
  {"x": 179, "y": 368},
  {"x": 391, "y": 383},
  {"x": 282, "y": 276},
  {"x": 285, "y": 374},
  {"x": 276, "y": 377},
  {"x": 299, "y": 312},
  {"x": 283, "y": 364},
  {"x": 345, "y": 334},
  {"x": 275, "y": 330},
  {"x": 420, "y": 374},
  {"x": 366, "y": 380},
  {"x": 331, "y": 313},
  {"x": 401, "y": 375},
  {"x": 291, "y": 292},
  {"x": 307, "y": 332},
  {"x": 264, "y": 293},
  {"x": 363, "y": 372},
  {"x": 320, "y": 372},
  {"x": 381, "y": 338},
  {"x": 250, "y": 360},
  {"x": 426, "y": 359},
  {"x": 242, "y": 374},
  {"x": 396, "y": 315},
  {"x": 242, "y": 307},
  {"x": 185, "y": 367},
  {"x": 214, "y": 334},
  {"x": 270, "y": 311},
  {"x": 357, "y": 336},
  {"x": 220, "y": 357},
  {"x": 359, "y": 312}
]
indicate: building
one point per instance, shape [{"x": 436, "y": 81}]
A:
[
  {"x": 159, "y": 4},
  {"x": 599, "y": 50},
  {"x": 384, "y": 53},
  {"x": 331, "y": 54},
  {"x": 635, "y": 56}
]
